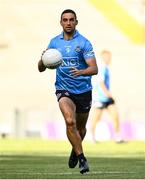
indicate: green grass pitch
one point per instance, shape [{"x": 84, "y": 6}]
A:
[{"x": 43, "y": 159}]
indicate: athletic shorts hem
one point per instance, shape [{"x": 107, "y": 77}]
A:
[{"x": 82, "y": 101}]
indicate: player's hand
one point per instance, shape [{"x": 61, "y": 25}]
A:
[
  {"x": 43, "y": 53},
  {"x": 75, "y": 72},
  {"x": 109, "y": 95},
  {"x": 41, "y": 66}
]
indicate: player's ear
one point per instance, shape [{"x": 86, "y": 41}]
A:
[{"x": 76, "y": 21}]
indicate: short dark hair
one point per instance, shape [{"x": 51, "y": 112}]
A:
[{"x": 68, "y": 11}]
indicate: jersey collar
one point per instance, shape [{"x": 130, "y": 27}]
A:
[{"x": 75, "y": 35}]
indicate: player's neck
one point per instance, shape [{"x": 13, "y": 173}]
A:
[{"x": 68, "y": 35}]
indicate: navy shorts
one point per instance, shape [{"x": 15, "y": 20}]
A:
[
  {"x": 104, "y": 105},
  {"x": 82, "y": 101}
]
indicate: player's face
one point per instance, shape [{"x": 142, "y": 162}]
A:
[
  {"x": 68, "y": 23},
  {"x": 107, "y": 58}
]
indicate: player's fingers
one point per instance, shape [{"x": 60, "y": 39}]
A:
[
  {"x": 73, "y": 68},
  {"x": 75, "y": 73},
  {"x": 44, "y": 52}
]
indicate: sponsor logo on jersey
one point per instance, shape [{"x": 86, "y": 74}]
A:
[{"x": 70, "y": 61}]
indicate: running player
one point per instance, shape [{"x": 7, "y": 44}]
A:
[
  {"x": 102, "y": 96},
  {"x": 73, "y": 84}
]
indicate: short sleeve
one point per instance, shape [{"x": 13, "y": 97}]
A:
[
  {"x": 51, "y": 44},
  {"x": 101, "y": 73},
  {"x": 88, "y": 50}
]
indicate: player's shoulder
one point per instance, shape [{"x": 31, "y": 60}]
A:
[
  {"x": 54, "y": 41},
  {"x": 84, "y": 42},
  {"x": 85, "y": 39},
  {"x": 56, "y": 37}
]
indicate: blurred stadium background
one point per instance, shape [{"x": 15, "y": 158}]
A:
[{"x": 28, "y": 106}]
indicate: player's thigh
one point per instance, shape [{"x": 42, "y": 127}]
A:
[
  {"x": 68, "y": 109},
  {"x": 112, "y": 110},
  {"x": 81, "y": 120},
  {"x": 97, "y": 113}
]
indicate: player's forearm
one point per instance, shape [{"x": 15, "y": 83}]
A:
[
  {"x": 104, "y": 88},
  {"x": 90, "y": 71},
  {"x": 41, "y": 66}
]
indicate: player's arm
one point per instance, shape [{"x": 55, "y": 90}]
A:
[
  {"x": 105, "y": 90},
  {"x": 101, "y": 82},
  {"x": 41, "y": 66},
  {"x": 92, "y": 68}
]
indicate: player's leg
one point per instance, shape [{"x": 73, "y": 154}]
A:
[
  {"x": 97, "y": 113},
  {"x": 112, "y": 110},
  {"x": 83, "y": 105},
  {"x": 68, "y": 109},
  {"x": 81, "y": 120}
]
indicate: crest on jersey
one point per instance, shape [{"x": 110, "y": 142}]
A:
[
  {"x": 67, "y": 49},
  {"x": 78, "y": 49}
]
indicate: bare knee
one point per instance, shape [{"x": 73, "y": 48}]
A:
[
  {"x": 70, "y": 125},
  {"x": 82, "y": 132}
]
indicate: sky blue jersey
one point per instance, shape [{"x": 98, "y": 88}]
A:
[
  {"x": 75, "y": 53},
  {"x": 103, "y": 75}
]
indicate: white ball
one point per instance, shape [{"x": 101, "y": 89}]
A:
[{"x": 52, "y": 58}]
